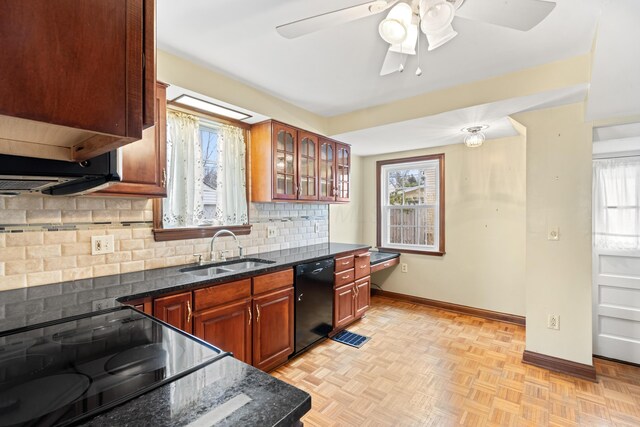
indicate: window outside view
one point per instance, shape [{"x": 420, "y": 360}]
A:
[{"x": 410, "y": 205}]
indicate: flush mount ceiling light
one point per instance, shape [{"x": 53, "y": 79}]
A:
[
  {"x": 434, "y": 17},
  {"x": 474, "y": 137},
  {"x": 210, "y": 107}
]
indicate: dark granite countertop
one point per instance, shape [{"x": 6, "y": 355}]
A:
[
  {"x": 377, "y": 257},
  {"x": 225, "y": 393},
  {"x": 33, "y": 305}
]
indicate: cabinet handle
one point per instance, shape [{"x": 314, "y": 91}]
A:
[
  {"x": 188, "y": 312},
  {"x": 163, "y": 184},
  {"x": 362, "y": 267},
  {"x": 258, "y": 316},
  {"x": 345, "y": 263},
  {"x": 250, "y": 316},
  {"x": 386, "y": 264},
  {"x": 345, "y": 277}
]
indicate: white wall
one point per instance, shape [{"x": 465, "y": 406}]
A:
[
  {"x": 485, "y": 228},
  {"x": 345, "y": 220},
  {"x": 558, "y": 273}
]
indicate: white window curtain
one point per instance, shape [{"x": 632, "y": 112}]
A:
[
  {"x": 616, "y": 203},
  {"x": 183, "y": 206},
  {"x": 231, "y": 178}
]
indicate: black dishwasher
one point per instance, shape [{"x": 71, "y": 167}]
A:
[{"x": 314, "y": 302}]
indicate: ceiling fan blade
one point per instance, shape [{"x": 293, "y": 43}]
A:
[
  {"x": 520, "y": 15},
  {"x": 392, "y": 62},
  {"x": 330, "y": 19}
]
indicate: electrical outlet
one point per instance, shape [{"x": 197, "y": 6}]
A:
[
  {"x": 553, "y": 321},
  {"x": 102, "y": 304},
  {"x": 102, "y": 244},
  {"x": 316, "y": 227},
  {"x": 404, "y": 267},
  {"x": 272, "y": 231}
]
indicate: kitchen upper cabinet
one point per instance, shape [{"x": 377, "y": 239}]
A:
[
  {"x": 273, "y": 324},
  {"x": 227, "y": 327},
  {"x": 174, "y": 310},
  {"x": 144, "y": 162},
  {"x": 307, "y": 166},
  {"x": 77, "y": 77},
  {"x": 292, "y": 164},
  {"x": 327, "y": 166},
  {"x": 343, "y": 172},
  {"x": 285, "y": 145}
]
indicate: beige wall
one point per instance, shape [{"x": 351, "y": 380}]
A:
[
  {"x": 559, "y": 146},
  {"x": 345, "y": 220},
  {"x": 485, "y": 228}
]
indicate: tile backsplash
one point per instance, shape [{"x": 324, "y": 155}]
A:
[{"x": 47, "y": 239}]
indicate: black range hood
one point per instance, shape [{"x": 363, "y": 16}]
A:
[{"x": 23, "y": 175}]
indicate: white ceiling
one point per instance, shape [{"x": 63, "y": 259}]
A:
[
  {"x": 336, "y": 70},
  {"x": 445, "y": 128}
]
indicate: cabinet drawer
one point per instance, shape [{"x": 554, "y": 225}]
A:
[
  {"x": 344, "y": 277},
  {"x": 221, "y": 294},
  {"x": 344, "y": 263},
  {"x": 271, "y": 281},
  {"x": 363, "y": 265}
]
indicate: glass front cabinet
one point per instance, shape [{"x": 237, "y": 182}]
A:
[{"x": 292, "y": 164}]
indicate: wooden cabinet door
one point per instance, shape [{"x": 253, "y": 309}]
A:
[
  {"x": 144, "y": 162},
  {"x": 343, "y": 172},
  {"x": 307, "y": 166},
  {"x": 343, "y": 305},
  {"x": 175, "y": 310},
  {"x": 327, "y": 167},
  {"x": 362, "y": 299},
  {"x": 78, "y": 64},
  {"x": 272, "y": 328},
  {"x": 228, "y": 327},
  {"x": 285, "y": 144}
]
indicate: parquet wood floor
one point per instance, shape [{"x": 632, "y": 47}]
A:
[{"x": 429, "y": 367}]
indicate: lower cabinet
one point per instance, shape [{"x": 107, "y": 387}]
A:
[
  {"x": 362, "y": 298},
  {"x": 227, "y": 327},
  {"x": 352, "y": 291},
  {"x": 174, "y": 310},
  {"x": 343, "y": 306},
  {"x": 251, "y": 318},
  {"x": 273, "y": 328}
]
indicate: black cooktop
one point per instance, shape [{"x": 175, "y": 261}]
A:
[{"x": 66, "y": 371}]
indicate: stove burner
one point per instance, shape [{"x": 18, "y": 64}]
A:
[
  {"x": 18, "y": 366},
  {"x": 138, "y": 360},
  {"x": 33, "y": 399}
]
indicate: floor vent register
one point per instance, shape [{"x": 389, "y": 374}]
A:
[{"x": 349, "y": 338}]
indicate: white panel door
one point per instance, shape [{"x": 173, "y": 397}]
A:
[{"x": 616, "y": 304}]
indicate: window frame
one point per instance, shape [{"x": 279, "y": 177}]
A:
[
  {"x": 161, "y": 234},
  {"x": 441, "y": 211}
]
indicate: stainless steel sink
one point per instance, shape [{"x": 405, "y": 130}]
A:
[
  {"x": 244, "y": 265},
  {"x": 208, "y": 270}
]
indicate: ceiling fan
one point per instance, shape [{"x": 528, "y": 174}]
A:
[{"x": 407, "y": 18}]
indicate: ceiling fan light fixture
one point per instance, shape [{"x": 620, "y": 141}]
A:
[
  {"x": 438, "y": 39},
  {"x": 394, "y": 29},
  {"x": 474, "y": 137},
  {"x": 408, "y": 46},
  {"x": 435, "y": 16}
]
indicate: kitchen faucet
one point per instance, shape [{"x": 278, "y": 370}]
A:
[{"x": 221, "y": 254}]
